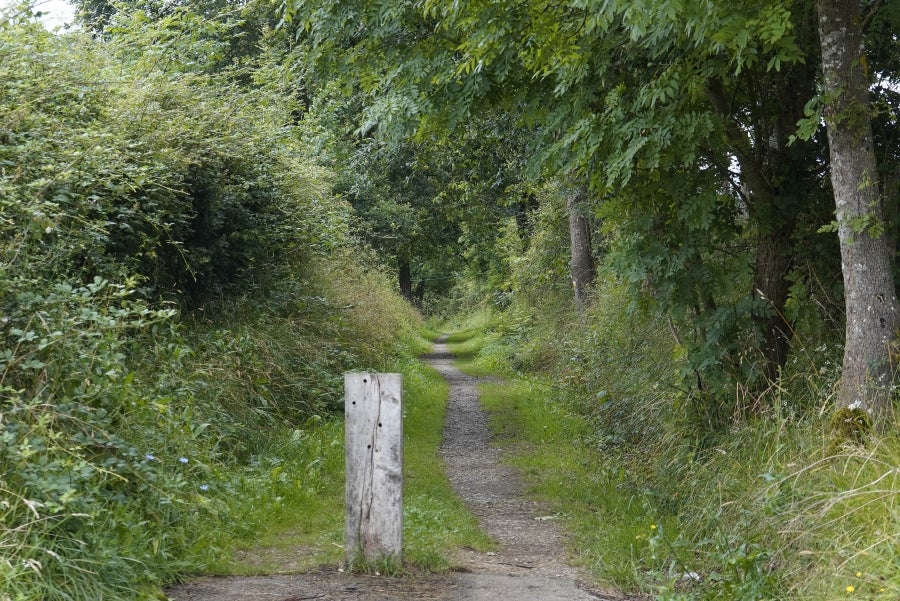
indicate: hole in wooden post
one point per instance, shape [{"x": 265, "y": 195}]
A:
[{"x": 373, "y": 500}]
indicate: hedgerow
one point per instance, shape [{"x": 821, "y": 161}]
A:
[{"x": 145, "y": 200}]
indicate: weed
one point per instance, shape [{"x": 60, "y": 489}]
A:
[
  {"x": 853, "y": 506},
  {"x": 384, "y": 566}
]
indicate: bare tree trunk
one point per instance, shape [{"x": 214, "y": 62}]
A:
[
  {"x": 419, "y": 294},
  {"x": 890, "y": 193},
  {"x": 871, "y": 303},
  {"x": 524, "y": 209},
  {"x": 775, "y": 216},
  {"x": 582, "y": 262}
]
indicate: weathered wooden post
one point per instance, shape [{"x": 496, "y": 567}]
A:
[{"x": 374, "y": 467}]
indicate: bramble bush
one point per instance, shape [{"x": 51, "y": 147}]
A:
[{"x": 118, "y": 163}]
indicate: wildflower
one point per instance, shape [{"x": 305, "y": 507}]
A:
[
  {"x": 204, "y": 487},
  {"x": 149, "y": 457},
  {"x": 182, "y": 460},
  {"x": 859, "y": 574},
  {"x": 850, "y": 588},
  {"x": 652, "y": 526}
]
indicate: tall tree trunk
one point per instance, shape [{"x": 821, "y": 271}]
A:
[
  {"x": 774, "y": 212},
  {"x": 405, "y": 277},
  {"x": 871, "y": 302},
  {"x": 419, "y": 295},
  {"x": 890, "y": 192},
  {"x": 582, "y": 260}
]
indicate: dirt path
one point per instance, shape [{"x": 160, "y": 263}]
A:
[{"x": 529, "y": 564}]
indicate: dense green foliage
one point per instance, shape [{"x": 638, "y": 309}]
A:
[
  {"x": 695, "y": 125},
  {"x": 768, "y": 510},
  {"x": 205, "y": 206},
  {"x": 179, "y": 296}
]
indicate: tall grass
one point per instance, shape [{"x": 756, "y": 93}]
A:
[
  {"x": 766, "y": 509},
  {"x": 849, "y": 522}
]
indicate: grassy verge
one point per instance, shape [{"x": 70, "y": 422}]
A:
[
  {"x": 760, "y": 512},
  {"x": 294, "y": 494},
  {"x": 289, "y": 501},
  {"x": 147, "y": 445},
  {"x": 611, "y": 524}
]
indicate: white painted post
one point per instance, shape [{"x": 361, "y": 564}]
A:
[{"x": 374, "y": 467}]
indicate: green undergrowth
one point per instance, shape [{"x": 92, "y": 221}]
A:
[
  {"x": 290, "y": 496},
  {"x": 178, "y": 299},
  {"x": 478, "y": 347},
  {"x": 152, "y": 445},
  {"x": 285, "y": 504},
  {"x": 768, "y": 509}
]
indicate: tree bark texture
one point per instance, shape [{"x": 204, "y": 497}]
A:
[
  {"x": 374, "y": 467},
  {"x": 582, "y": 259},
  {"x": 419, "y": 295},
  {"x": 890, "y": 191},
  {"x": 524, "y": 209},
  {"x": 770, "y": 281},
  {"x": 871, "y": 302}
]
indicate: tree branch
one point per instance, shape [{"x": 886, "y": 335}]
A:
[
  {"x": 867, "y": 18},
  {"x": 751, "y": 169}
]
